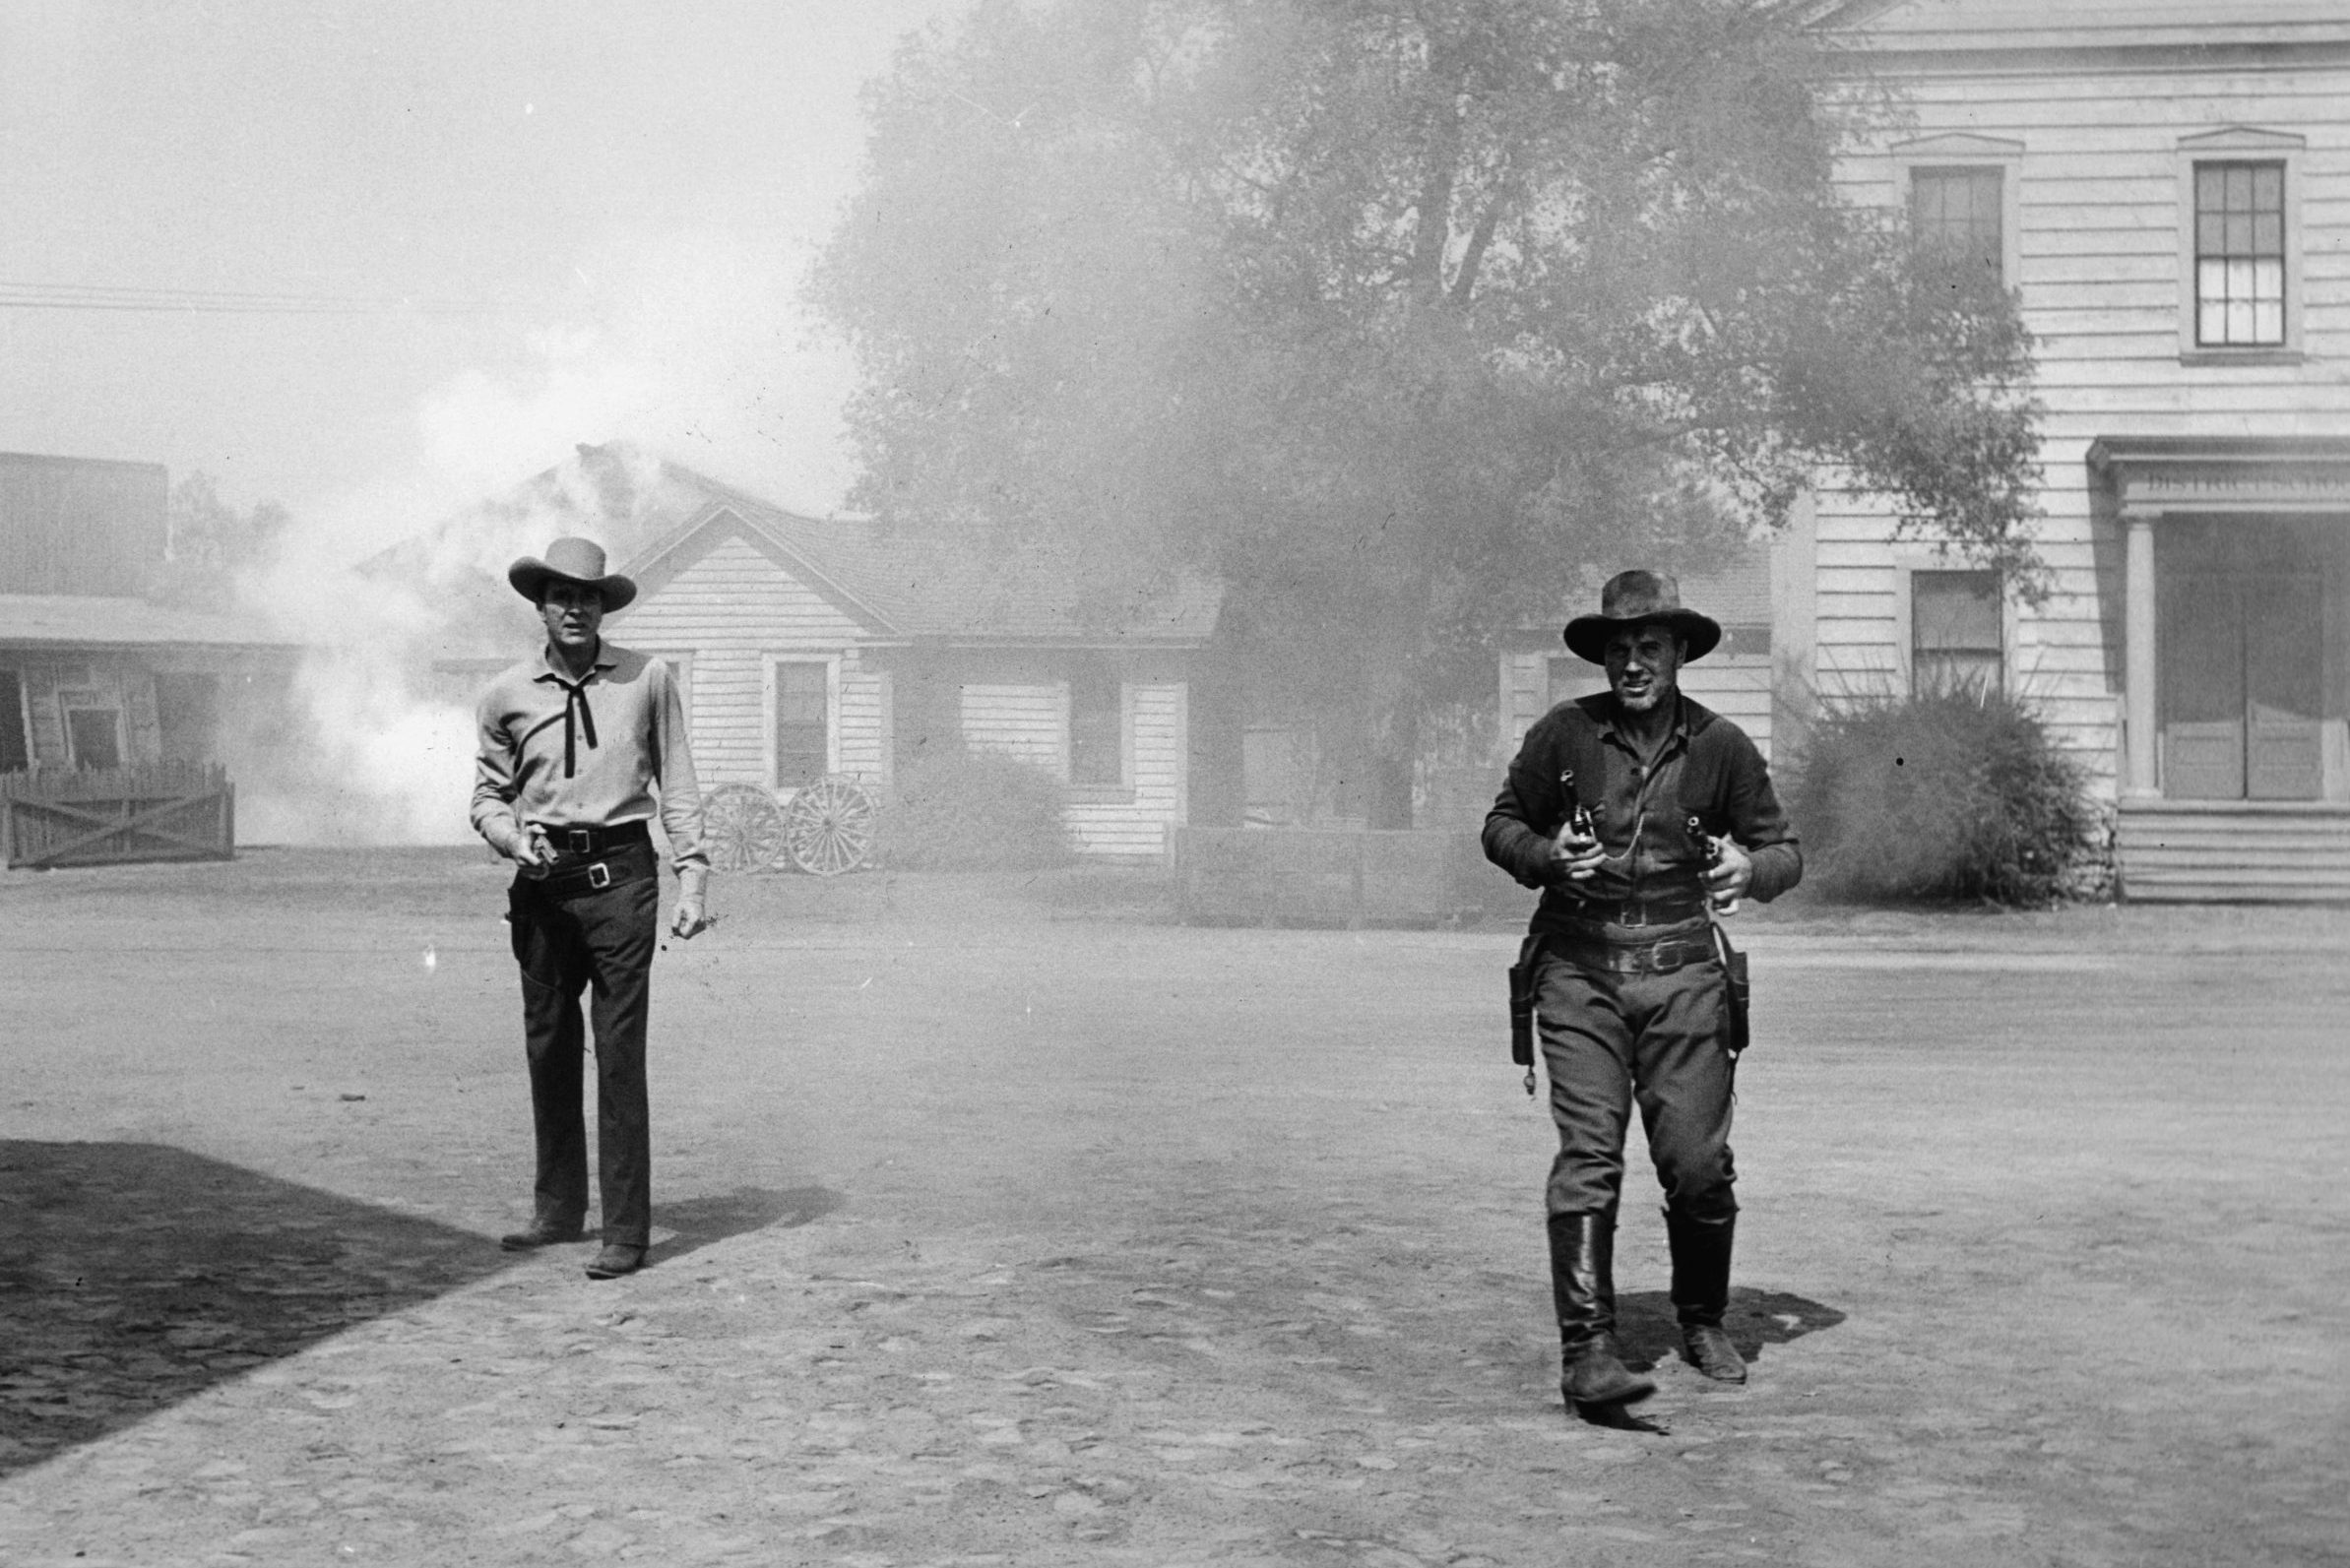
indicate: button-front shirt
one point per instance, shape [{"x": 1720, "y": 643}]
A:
[
  {"x": 1641, "y": 807},
  {"x": 607, "y": 749}
]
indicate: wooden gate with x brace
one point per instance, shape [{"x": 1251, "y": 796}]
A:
[{"x": 169, "y": 811}]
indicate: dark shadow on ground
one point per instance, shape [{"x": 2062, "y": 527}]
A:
[
  {"x": 1649, "y": 1334},
  {"x": 699, "y": 1221},
  {"x": 1619, "y": 1419},
  {"x": 132, "y": 1276}
]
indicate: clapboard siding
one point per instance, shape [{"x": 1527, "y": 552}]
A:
[
  {"x": 1031, "y": 722},
  {"x": 729, "y": 716},
  {"x": 734, "y": 597},
  {"x": 2099, "y": 237},
  {"x": 2254, "y": 852},
  {"x": 2015, "y": 19},
  {"x": 864, "y": 749}
]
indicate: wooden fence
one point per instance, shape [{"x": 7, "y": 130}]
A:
[
  {"x": 104, "y": 816},
  {"x": 1332, "y": 876}
]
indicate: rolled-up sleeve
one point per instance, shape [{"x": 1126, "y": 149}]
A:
[{"x": 680, "y": 791}]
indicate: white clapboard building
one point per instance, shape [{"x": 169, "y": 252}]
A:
[{"x": 2165, "y": 184}]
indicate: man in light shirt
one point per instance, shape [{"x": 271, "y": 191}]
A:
[{"x": 581, "y": 744}]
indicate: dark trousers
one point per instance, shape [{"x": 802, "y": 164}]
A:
[
  {"x": 600, "y": 942},
  {"x": 1610, "y": 1040}
]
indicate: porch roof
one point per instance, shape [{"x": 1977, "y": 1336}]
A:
[{"x": 72, "y": 620}]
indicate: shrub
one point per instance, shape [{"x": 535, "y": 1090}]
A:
[
  {"x": 1956, "y": 796},
  {"x": 974, "y": 811}
]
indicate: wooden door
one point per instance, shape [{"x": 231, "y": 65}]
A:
[
  {"x": 2243, "y": 681},
  {"x": 2284, "y": 686},
  {"x": 2201, "y": 643}
]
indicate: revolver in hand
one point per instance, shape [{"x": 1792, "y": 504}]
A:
[
  {"x": 1576, "y": 850},
  {"x": 1723, "y": 904}
]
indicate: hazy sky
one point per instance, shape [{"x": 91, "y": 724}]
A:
[{"x": 636, "y": 187}]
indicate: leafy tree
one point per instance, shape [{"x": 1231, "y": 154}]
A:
[
  {"x": 208, "y": 542},
  {"x": 1398, "y": 316}
]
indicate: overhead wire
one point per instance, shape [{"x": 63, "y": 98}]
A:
[{"x": 22, "y": 295}]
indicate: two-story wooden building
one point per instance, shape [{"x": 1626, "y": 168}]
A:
[{"x": 2167, "y": 187}]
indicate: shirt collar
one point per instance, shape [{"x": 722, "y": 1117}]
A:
[
  {"x": 1610, "y": 713},
  {"x": 549, "y": 669}
]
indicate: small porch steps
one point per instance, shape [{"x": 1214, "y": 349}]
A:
[{"x": 2233, "y": 851}]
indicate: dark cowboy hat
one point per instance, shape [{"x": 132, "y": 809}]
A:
[
  {"x": 570, "y": 561},
  {"x": 1634, "y": 598}
]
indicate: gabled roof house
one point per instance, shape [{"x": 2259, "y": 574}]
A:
[{"x": 814, "y": 645}]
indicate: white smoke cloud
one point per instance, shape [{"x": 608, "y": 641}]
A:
[{"x": 692, "y": 350}]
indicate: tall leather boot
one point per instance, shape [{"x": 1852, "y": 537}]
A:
[
  {"x": 1583, "y": 1284},
  {"x": 1702, "y": 1293}
]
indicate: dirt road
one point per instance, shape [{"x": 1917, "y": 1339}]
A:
[{"x": 1000, "y": 1225}]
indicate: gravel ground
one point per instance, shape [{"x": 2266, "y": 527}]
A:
[{"x": 1003, "y": 1222}]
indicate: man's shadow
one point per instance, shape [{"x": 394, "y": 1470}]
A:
[
  {"x": 1649, "y": 1334},
  {"x": 137, "y": 1275},
  {"x": 699, "y": 1221}
]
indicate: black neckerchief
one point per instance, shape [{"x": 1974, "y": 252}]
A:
[{"x": 575, "y": 702}]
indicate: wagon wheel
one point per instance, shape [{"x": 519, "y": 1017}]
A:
[
  {"x": 745, "y": 828},
  {"x": 829, "y": 826}
]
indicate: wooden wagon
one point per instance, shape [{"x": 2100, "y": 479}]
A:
[{"x": 824, "y": 828}]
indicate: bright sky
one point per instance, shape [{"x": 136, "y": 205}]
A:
[{"x": 636, "y": 188}]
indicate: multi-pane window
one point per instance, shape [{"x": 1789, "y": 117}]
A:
[
  {"x": 1097, "y": 725},
  {"x": 2240, "y": 254},
  {"x": 1956, "y": 212},
  {"x": 1954, "y": 633},
  {"x": 802, "y": 722}
]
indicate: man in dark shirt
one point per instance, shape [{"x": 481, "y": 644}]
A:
[{"x": 1633, "y": 810}]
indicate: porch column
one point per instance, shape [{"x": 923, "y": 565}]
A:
[{"x": 2138, "y": 672}]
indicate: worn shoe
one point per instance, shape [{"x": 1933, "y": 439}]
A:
[
  {"x": 1595, "y": 1376},
  {"x": 1707, "y": 1349},
  {"x": 543, "y": 1233},
  {"x": 614, "y": 1261}
]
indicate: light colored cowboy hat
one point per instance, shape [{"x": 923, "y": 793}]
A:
[
  {"x": 1635, "y": 599},
  {"x": 571, "y": 560}
]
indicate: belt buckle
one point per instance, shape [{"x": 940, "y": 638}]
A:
[
  {"x": 1632, "y": 913},
  {"x": 600, "y": 875},
  {"x": 582, "y": 840}
]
